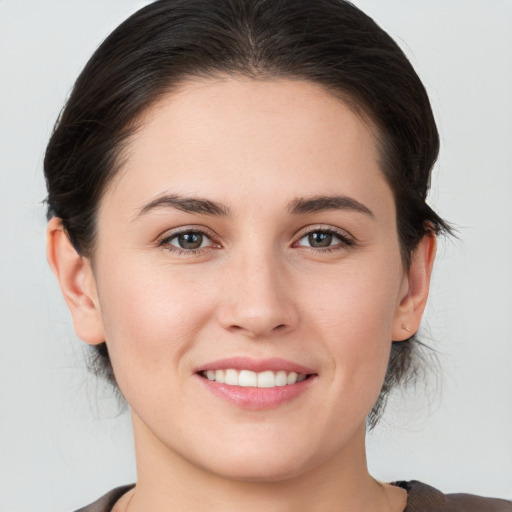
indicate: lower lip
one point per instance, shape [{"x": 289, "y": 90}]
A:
[{"x": 253, "y": 398}]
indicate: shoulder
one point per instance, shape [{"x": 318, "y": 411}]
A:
[
  {"x": 424, "y": 498},
  {"x": 106, "y": 502}
]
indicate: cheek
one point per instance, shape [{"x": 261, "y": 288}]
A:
[
  {"x": 357, "y": 303},
  {"x": 356, "y": 313},
  {"x": 151, "y": 319}
]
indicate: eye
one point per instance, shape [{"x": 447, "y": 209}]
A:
[
  {"x": 190, "y": 240},
  {"x": 324, "y": 239},
  {"x": 187, "y": 241}
]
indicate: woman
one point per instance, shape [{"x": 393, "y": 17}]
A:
[{"x": 238, "y": 224}]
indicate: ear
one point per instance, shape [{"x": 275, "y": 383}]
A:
[
  {"x": 77, "y": 283},
  {"x": 415, "y": 289}
]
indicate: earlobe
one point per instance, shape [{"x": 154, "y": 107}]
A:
[
  {"x": 77, "y": 283},
  {"x": 414, "y": 297}
]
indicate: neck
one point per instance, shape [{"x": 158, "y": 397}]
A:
[{"x": 167, "y": 481}]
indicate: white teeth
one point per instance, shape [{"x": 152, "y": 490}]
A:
[
  {"x": 281, "y": 378},
  {"x": 291, "y": 378},
  {"x": 231, "y": 377},
  {"x": 247, "y": 378},
  {"x": 266, "y": 379}
]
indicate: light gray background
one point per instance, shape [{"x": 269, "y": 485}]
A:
[{"x": 62, "y": 443}]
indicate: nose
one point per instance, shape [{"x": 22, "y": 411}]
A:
[{"x": 258, "y": 298}]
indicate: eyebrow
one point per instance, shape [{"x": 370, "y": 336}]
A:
[
  {"x": 299, "y": 206},
  {"x": 316, "y": 204},
  {"x": 185, "y": 204}
]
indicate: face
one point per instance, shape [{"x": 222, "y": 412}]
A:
[{"x": 248, "y": 277}]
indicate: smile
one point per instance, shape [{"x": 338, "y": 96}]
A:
[
  {"x": 256, "y": 384},
  {"x": 248, "y": 378}
]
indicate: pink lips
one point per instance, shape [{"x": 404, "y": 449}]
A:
[
  {"x": 254, "y": 398},
  {"x": 256, "y": 365}
]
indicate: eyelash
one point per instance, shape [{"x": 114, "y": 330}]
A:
[
  {"x": 165, "y": 242},
  {"x": 345, "y": 240}
]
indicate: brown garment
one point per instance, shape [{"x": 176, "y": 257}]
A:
[
  {"x": 105, "y": 503},
  {"x": 423, "y": 498},
  {"x": 420, "y": 498}
]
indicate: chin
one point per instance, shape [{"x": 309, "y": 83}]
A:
[
  {"x": 261, "y": 471},
  {"x": 260, "y": 465}
]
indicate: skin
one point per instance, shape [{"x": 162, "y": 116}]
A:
[{"x": 255, "y": 288}]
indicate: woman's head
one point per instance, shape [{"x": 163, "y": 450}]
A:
[
  {"x": 247, "y": 242},
  {"x": 171, "y": 46}
]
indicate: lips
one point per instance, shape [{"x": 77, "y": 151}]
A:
[
  {"x": 256, "y": 383},
  {"x": 274, "y": 364}
]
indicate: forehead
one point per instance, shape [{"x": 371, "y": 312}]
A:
[{"x": 244, "y": 138}]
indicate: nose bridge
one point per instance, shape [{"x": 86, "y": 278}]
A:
[{"x": 258, "y": 301}]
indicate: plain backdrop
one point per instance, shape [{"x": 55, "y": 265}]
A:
[{"x": 63, "y": 441}]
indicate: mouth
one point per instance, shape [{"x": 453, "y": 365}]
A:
[{"x": 256, "y": 384}]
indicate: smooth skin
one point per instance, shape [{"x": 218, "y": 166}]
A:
[{"x": 171, "y": 289}]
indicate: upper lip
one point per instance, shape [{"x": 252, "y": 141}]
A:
[{"x": 256, "y": 365}]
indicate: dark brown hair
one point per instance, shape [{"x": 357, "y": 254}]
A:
[{"x": 328, "y": 42}]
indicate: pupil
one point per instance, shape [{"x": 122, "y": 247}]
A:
[
  {"x": 190, "y": 240},
  {"x": 320, "y": 239}
]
